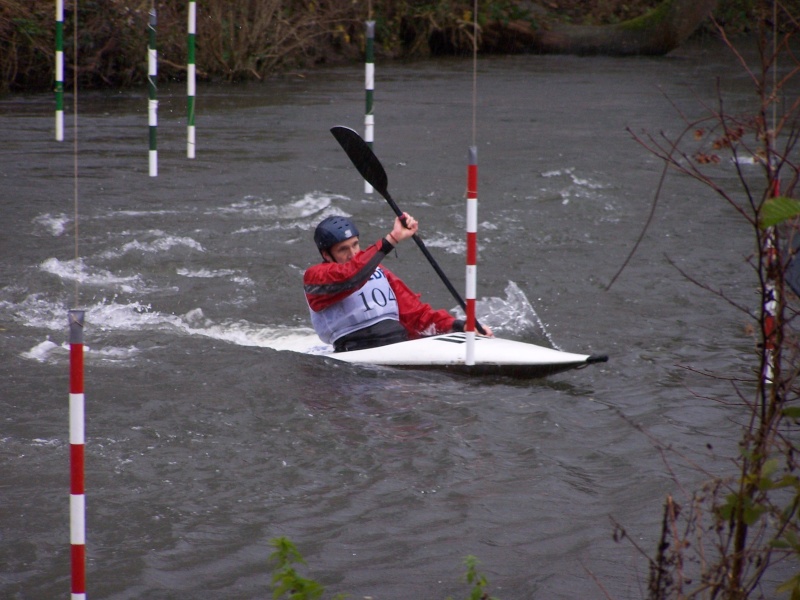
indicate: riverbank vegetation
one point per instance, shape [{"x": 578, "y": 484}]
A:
[
  {"x": 288, "y": 584},
  {"x": 255, "y": 39},
  {"x": 733, "y": 535}
]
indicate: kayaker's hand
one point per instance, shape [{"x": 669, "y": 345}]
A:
[{"x": 402, "y": 232}]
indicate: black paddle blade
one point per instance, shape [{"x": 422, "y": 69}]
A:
[{"x": 363, "y": 158}]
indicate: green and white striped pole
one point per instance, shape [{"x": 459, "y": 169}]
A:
[
  {"x": 190, "y": 80},
  {"x": 369, "y": 117},
  {"x": 152, "y": 104},
  {"x": 59, "y": 70}
]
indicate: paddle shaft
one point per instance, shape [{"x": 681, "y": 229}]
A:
[
  {"x": 426, "y": 252},
  {"x": 371, "y": 169}
]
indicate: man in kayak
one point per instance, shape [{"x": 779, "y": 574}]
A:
[{"x": 355, "y": 302}]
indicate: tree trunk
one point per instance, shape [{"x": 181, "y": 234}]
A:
[{"x": 657, "y": 32}]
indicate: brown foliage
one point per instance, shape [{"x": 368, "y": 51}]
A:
[
  {"x": 235, "y": 39},
  {"x": 599, "y": 12},
  {"x": 251, "y": 39},
  {"x": 26, "y": 38}
]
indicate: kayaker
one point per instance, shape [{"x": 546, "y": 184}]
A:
[{"x": 355, "y": 302}]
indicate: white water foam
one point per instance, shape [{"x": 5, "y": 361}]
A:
[
  {"x": 576, "y": 187},
  {"x": 232, "y": 274},
  {"x": 76, "y": 270},
  {"x": 48, "y": 351},
  {"x": 116, "y": 317},
  {"x": 55, "y": 224},
  {"x": 244, "y": 333},
  {"x": 585, "y": 182},
  {"x": 449, "y": 245},
  {"x": 510, "y": 315},
  {"x": 310, "y": 204},
  {"x": 141, "y": 213},
  {"x": 41, "y": 352},
  {"x": 162, "y": 243},
  {"x": 40, "y": 312},
  {"x": 206, "y": 273},
  {"x": 53, "y": 443},
  {"x": 513, "y": 315},
  {"x": 459, "y": 244},
  {"x": 294, "y": 215}
]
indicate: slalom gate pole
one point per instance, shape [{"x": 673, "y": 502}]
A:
[
  {"x": 472, "y": 206},
  {"x": 152, "y": 104},
  {"x": 59, "y": 70},
  {"x": 191, "y": 74},
  {"x": 77, "y": 499},
  {"x": 369, "y": 84},
  {"x": 472, "y": 252},
  {"x": 770, "y": 293},
  {"x": 770, "y": 300}
]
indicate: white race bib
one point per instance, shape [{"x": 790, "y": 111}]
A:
[{"x": 374, "y": 302}]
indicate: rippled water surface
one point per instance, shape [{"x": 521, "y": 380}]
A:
[{"x": 206, "y": 438}]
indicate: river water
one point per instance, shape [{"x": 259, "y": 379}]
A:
[{"x": 206, "y": 438}]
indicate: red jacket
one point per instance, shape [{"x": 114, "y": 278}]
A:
[{"x": 328, "y": 283}]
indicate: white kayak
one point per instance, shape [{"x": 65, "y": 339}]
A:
[{"x": 493, "y": 356}]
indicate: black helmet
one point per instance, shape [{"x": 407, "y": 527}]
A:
[{"x": 333, "y": 230}]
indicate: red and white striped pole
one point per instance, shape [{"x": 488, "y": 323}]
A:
[
  {"x": 77, "y": 501},
  {"x": 472, "y": 251},
  {"x": 770, "y": 293}
]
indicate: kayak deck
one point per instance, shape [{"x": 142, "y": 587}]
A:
[{"x": 492, "y": 356}]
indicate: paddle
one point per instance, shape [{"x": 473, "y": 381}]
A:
[{"x": 371, "y": 169}]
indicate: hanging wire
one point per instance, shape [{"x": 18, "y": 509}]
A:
[
  {"x": 75, "y": 144},
  {"x": 474, "y": 71},
  {"x": 772, "y": 136}
]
